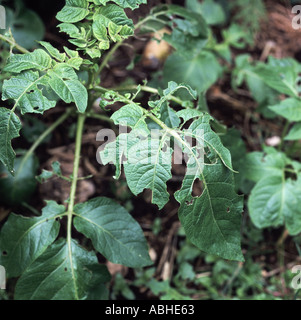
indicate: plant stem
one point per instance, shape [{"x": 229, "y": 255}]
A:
[
  {"x": 99, "y": 117},
  {"x": 13, "y": 43},
  {"x": 107, "y": 58},
  {"x": 78, "y": 143},
  {"x": 284, "y": 133},
  {"x": 40, "y": 139},
  {"x": 148, "y": 89}
]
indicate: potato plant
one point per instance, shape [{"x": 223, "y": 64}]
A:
[{"x": 173, "y": 124}]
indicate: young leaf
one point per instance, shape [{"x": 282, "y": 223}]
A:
[
  {"x": 54, "y": 52},
  {"x": 10, "y": 126},
  {"x": 73, "y": 11},
  {"x": 23, "y": 240},
  {"x": 63, "y": 272},
  {"x": 114, "y": 233}
]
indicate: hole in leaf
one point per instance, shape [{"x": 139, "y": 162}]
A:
[
  {"x": 197, "y": 188},
  {"x": 228, "y": 209},
  {"x": 65, "y": 269},
  {"x": 4, "y": 253},
  {"x": 189, "y": 203}
]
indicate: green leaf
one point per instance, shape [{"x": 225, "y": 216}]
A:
[
  {"x": 289, "y": 108},
  {"x": 133, "y": 4},
  {"x": 281, "y": 75},
  {"x": 37, "y": 59},
  {"x": 259, "y": 165},
  {"x": 73, "y": 11},
  {"x": 199, "y": 72},
  {"x": 148, "y": 166},
  {"x": 54, "y": 52},
  {"x": 130, "y": 115},
  {"x": 10, "y": 126},
  {"x": 26, "y": 27},
  {"x": 189, "y": 30},
  {"x": 212, "y": 220},
  {"x": 187, "y": 114},
  {"x": 24, "y": 90},
  {"x": 20, "y": 187},
  {"x": 212, "y": 11},
  {"x": 114, "y": 233},
  {"x": 294, "y": 133},
  {"x": 64, "y": 82},
  {"x": 170, "y": 90},
  {"x": 274, "y": 201},
  {"x": 169, "y": 116},
  {"x": 115, "y": 20},
  {"x": 23, "y": 240},
  {"x": 65, "y": 271}
]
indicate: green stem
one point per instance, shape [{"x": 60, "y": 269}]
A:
[
  {"x": 78, "y": 143},
  {"x": 284, "y": 133},
  {"x": 41, "y": 138},
  {"x": 107, "y": 58},
  {"x": 13, "y": 43},
  {"x": 99, "y": 117},
  {"x": 147, "y": 89},
  {"x": 148, "y": 18}
]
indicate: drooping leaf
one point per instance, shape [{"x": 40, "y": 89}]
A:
[
  {"x": 10, "y": 125},
  {"x": 21, "y": 186},
  {"x": 114, "y": 233},
  {"x": 23, "y": 240},
  {"x": 65, "y": 271}
]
